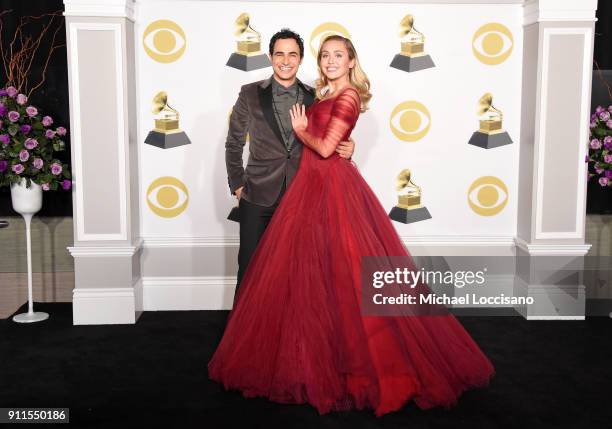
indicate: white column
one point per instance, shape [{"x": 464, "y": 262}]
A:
[
  {"x": 100, "y": 42},
  {"x": 556, "y": 93}
]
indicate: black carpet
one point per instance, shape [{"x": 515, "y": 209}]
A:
[{"x": 153, "y": 374}]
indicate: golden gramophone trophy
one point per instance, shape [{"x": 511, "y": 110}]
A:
[
  {"x": 409, "y": 208},
  {"x": 412, "y": 56},
  {"x": 248, "y": 56},
  {"x": 167, "y": 133},
  {"x": 490, "y": 134}
]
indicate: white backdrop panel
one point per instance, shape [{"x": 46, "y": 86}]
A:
[{"x": 204, "y": 90}]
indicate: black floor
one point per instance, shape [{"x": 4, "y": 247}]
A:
[{"x": 153, "y": 374}]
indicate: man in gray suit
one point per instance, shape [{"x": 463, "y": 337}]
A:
[{"x": 262, "y": 111}]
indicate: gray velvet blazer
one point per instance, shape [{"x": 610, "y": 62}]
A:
[{"x": 269, "y": 163}]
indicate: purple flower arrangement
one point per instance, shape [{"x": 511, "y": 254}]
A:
[
  {"x": 28, "y": 142},
  {"x": 600, "y": 146}
]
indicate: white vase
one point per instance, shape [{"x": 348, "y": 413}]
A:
[{"x": 27, "y": 202}]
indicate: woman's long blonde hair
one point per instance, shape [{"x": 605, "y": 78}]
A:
[{"x": 357, "y": 76}]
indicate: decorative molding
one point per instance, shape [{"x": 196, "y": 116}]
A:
[
  {"x": 100, "y": 8},
  {"x": 557, "y": 289},
  {"x": 552, "y": 249},
  {"x": 459, "y": 2},
  {"x": 103, "y": 306},
  {"x": 421, "y": 240},
  {"x": 551, "y": 302},
  {"x": 558, "y": 11},
  {"x": 188, "y": 293},
  {"x": 555, "y": 317},
  {"x": 102, "y": 251},
  {"x": 156, "y": 242},
  {"x": 77, "y": 143},
  {"x": 217, "y": 293},
  {"x": 138, "y": 296},
  {"x": 541, "y": 133},
  {"x": 459, "y": 240}
]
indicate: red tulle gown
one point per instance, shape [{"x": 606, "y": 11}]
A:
[{"x": 296, "y": 333}]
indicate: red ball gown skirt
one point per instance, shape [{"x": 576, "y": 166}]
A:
[{"x": 297, "y": 333}]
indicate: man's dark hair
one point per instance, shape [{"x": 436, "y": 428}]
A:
[{"x": 285, "y": 33}]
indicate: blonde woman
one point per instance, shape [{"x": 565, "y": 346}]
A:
[{"x": 297, "y": 333}]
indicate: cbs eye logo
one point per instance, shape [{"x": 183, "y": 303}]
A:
[
  {"x": 410, "y": 121},
  {"x": 164, "y": 41},
  {"x": 322, "y": 31},
  {"x": 492, "y": 43},
  {"x": 167, "y": 197},
  {"x": 487, "y": 196}
]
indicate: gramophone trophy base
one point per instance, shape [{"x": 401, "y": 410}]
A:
[
  {"x": 490, "y": 141},
  {"x": 167, "y": 140},
  {"x": 403, "y": 215},
  {"x": 248, "y": 62},
  {"x": 412, "y": 64}
]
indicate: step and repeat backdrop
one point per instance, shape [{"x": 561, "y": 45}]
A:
[{"x": 446, "y": 84}]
